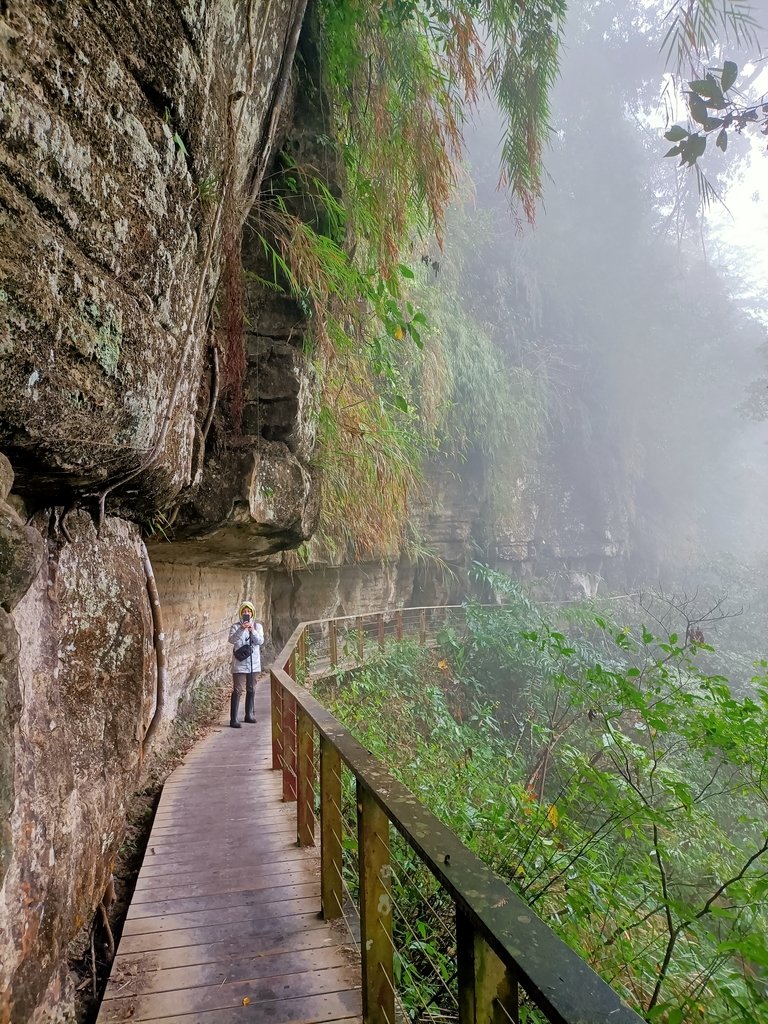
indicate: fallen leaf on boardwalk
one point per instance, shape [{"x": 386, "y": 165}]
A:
[
  {"x": 502, "y": 902},
  {"x": 246, "y": 1000}
]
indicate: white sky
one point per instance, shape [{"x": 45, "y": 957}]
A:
[
  {"x": 742, "y": 229},
  {"x": 738, "y": 232}
]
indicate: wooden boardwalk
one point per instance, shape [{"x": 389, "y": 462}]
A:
[{"x": 224, "y": 924}]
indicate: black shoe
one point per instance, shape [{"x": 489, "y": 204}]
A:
[
  {"x": 249, "y": 702},
  {"x": 234, "y": 704}
]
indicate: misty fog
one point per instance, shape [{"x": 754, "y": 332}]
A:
[{"x": 639, "y": 306}]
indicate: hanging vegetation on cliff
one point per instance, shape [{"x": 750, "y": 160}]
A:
[{"x": 398, "y": 81}]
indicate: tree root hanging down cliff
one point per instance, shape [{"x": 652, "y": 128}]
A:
[
  {"x": 215, "y": 376},
  {"x": 227, "y": 187},
  {"x": 277, "y": 104},
  {"x": 103, "y": 913},
  {"x": 198, "y": 462},
  {"x": 159, "y": 641}
]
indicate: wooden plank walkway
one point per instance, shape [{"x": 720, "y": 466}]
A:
[{"x": 223, "y": 926}]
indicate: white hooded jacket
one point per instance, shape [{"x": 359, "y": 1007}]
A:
[{"x": 239, "y": 636}]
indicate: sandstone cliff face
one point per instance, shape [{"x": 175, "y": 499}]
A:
[
  {"x": 119, "y": 125},
  {"x": 83, "y": 675}
]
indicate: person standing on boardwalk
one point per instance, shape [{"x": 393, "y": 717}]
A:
[{"x": 246, "y": 637}]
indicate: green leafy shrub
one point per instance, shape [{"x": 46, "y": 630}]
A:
[{"x": 616, "y": 785}]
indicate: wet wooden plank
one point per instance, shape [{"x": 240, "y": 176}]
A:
[
  {"x": 221, "y": 900},
  {"x": 180, "y": 821},
  {"x": 270, "y": 874},
  {"x": 246, "y": 931},
  {"x": 201, "y": 918},
  {"x": 231, "y": 949},
  {"x": 266, "y": 860},
  {"x": 336, "y": 1006},
  {"x": 252, "y": 968},
  {"x": 184, "y": 861},
  {"x": 165, "y": 835},
  {"x": 222, "y": 997},
  {"x": 240, "y": 883}
]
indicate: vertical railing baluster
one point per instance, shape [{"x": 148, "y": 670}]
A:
[
  {"x": 399, "y": 623},
  {"x": 332, "y": 644},
  {"x": 380, "y": 621},
  {"x": 289, "y": 746},
  {"x": 360, "y": 651},
  {"x": 331, "y": 862},
  {"x": 422, "y": 627},
  {"x": 301, "y": 654},
  {"x": 276, "y": 711},
  {"x": 305, "y": 781},
  {"x": 488, "y": 993},
  {"x": 376, "y": 947}
]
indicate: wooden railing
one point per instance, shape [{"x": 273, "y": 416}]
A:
[{"x": 501, "y": 946}]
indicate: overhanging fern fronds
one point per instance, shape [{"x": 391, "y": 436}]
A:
[
  {"x": 404, "y": 79},
  {"x": 696, "y": 26}
]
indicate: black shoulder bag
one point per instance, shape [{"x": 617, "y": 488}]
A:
[{"x": 243, "y": 653}]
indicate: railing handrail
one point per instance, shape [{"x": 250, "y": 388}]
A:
[
  {"x": 556, "y": 978},
  {"x": 386, "y": 612}
]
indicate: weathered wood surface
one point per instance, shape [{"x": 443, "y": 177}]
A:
[{"x": 223, "y": 926}]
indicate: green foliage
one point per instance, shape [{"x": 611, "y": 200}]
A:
[
  {"x": 695, "y": 27},
  {"x": 398, "y": 80},
  {"x": 208, "y": 189},
  {"x": 707, "y": 96},
  {"x": 403, "y": 370},
  {"x": 402, "y": 78},
  {"x": 472, "y": 396},
  {"x": 618, "y": 786},
  {"x": 369, "y": 448}
]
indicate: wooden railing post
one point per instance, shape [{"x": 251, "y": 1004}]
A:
[
  {"x": 376, "y": 947},
  {"x": 333, "y": 649},
  {"x": 305, "y": 781},
  {"x": 289, "y": 746},
  {"x": 422, "y": 627},
  {"x": 331, "y": 862},
  {"x": 380, "y": 621},
  {"x": 488, "y": 993},
  {"x": 277, "y": 721},
  {"x": 360, "y": 649},
  {"x": 399, "y": 623},
  {"x": 301, "y": 652}
]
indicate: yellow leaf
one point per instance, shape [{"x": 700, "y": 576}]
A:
[
  {"x": 552, "y": 816},
  {"x": 442, "y": 664},
  {"x": 246, "y": 1000},
  {"x": 397, "y": 334}
]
